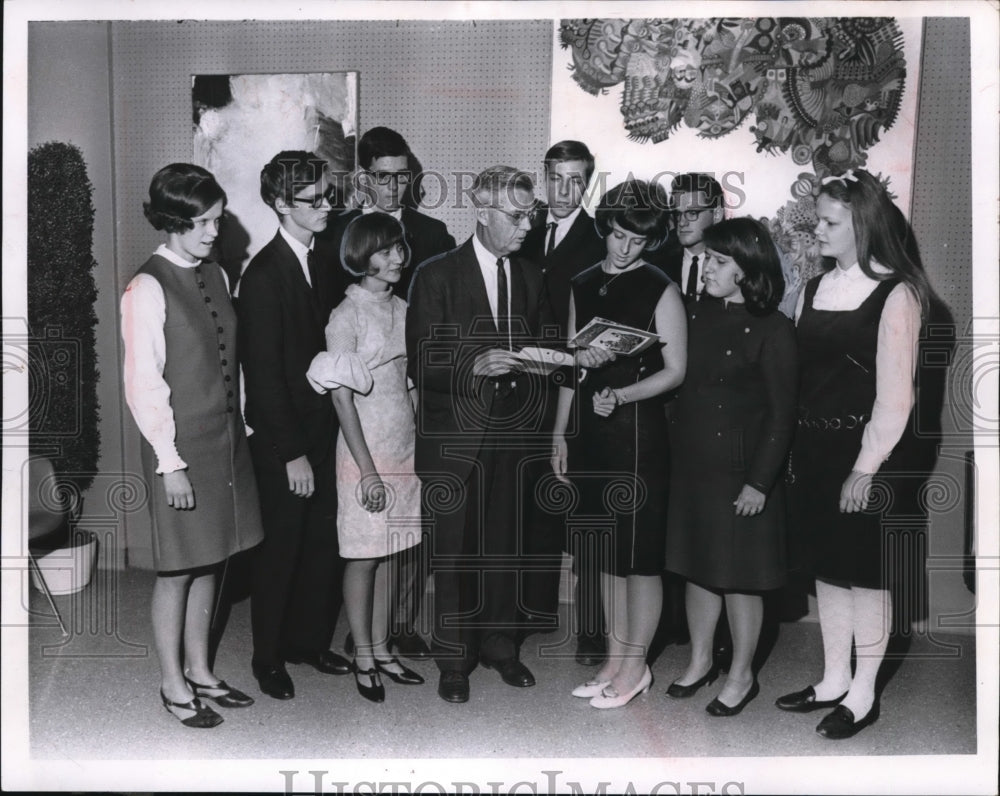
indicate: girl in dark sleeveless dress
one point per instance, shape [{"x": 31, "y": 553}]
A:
[
  {"x": 618, "y": 458},
  {"x": 183, "y": 388},
  {"x": 858, "y": 328}
]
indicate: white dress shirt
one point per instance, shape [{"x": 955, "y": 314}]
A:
[
  {"x": 843, "y": 290},
  {"x": 301, "y": 252},
  {"x": 488, "y": 265}
]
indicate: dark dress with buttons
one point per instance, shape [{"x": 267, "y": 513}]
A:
[
  {"x": 731, "y": 425},
  {"x": 201, "y": 368},
  {"x": 620, "y": 463},
  {"x": 838, "y": 351}
]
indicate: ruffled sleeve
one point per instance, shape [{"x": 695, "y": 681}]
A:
[{"x": 341, "y": 365}]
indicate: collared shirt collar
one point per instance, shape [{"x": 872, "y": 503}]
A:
[
  {"x": 300, "y": 251},
  {"x": 176, "y": 259}
]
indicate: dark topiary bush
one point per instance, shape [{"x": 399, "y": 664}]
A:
[{"x": 63, "y": 413}]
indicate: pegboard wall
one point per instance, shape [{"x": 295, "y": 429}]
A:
[
  {"x": 941, "y": 211},
  {"x": 465, "y": 95}
]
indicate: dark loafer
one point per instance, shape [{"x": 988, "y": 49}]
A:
[
  {"x": 512, "y": 672},
  {"x": 453, "y": 687},
  {"x": 805, "y": 701},
  {"x": 274, "y": 681},
  {"x": 326, "y": 662},
  {"x": 840, "y": 723},
  {"x": 590, "y": 651},
  {"x": 223, "y": 694},
  {"x": 412, "y": 646},
  {"x": 719, "y": 708}
]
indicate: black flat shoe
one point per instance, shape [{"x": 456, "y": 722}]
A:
[
  {"x": 204, "y": 717},
  {"x": 405, "y": 677},
  {"x": 678, "y": 691},
  {"x": 228, "y": 697},
  {"x": 805, "y": 701},
  {"x": 410, "y": 645},
  {"x": 512, "y": 672},
  {"x": 325, "y": 662},
  {"x": 274, "y": 680},
  {"x": 840, "y": 723},
  {"x": 453, "y": 687},
  {"x": 719, "y": 708},
  {"x": 374, "y": 691}
]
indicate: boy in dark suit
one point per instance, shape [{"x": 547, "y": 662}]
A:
[
  {"x": 564, "y": 246},
  {"x": 283, "y": 303}
]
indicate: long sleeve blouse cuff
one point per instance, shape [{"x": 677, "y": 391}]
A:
[
  {"x": 328, "y": 371},
  {"x": 169, "y": 462}
]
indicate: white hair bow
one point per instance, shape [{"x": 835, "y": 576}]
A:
[{"x": 847, "y": 176}]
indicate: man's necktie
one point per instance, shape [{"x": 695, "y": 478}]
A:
[
  {"x": 503, "y": 317},
  {"x": 552, "y": 238},
  {"x": 691, "y": 291},
  {"x": 313, "y": 267}
]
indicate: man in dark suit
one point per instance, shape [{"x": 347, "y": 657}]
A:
[
  {"x": 386, "y": 172},
  {"x": 566, "y": 244},
  {"x": 470, "y": 311},
  {"x": 283, "y": 302},
  {"x": 696, "y": 203},
  {"x": 385, "y": 181}
]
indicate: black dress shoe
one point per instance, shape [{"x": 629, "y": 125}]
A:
[
  {"x": 805, "y": 701},
  {"x": 223, "y": 694},
  {"x": 405, "y": 677},
  {"x": 410, "y": 645},
  {"x": 374, "y": 691},
  {"x": 840, "y": 723},
  {"x": 719, "y": 708},
  {"x": 678, "y": 691},
  {"x": 512, "y": 672},
  {"x": 274, "y": 681},
  {"x": 590, "y": 651},
  {"x": 453, "y": 687},
  {"x": 327, "y": 661}
]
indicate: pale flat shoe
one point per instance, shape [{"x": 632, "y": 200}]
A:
[
  {"x": 608, "y": 698},
  {"x": 591, "y": 688}
]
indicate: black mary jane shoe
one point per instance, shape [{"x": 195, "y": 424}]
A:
[
  {"x": 805, "y": 701},
  {"x": 204, "y": 717},
  {"x": 719, "y": 708},
  {"x": 228, "y": 697},
  {"x": 405, "y": 677},
  {"x": 678, "y": 691},
  {"x": 840, "y": 723},
  {"x": 374, "y": 691}
]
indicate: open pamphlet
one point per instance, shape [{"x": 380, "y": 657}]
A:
[
  {"x": 614, "y": 337},
  {"x": 543, "y": 360}
]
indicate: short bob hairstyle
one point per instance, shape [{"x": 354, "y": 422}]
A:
[
  {"x": 637, "y": 206},
  {"x": 750, "y": 245},
  {"x": 366, "y": 235},
  {"x": 179, "y": 193},
  {"x": 288, "y": 173}
]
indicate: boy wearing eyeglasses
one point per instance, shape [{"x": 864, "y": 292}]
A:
[
  {"x": 388, "y": 182},
  {"x": 283, "y": 307}
]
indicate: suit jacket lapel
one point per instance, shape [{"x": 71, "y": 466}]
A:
[
  {"x": 473, "y": 289},
  {"x": 292, "y": 270}
]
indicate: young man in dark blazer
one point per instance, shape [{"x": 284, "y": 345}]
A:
[
  {"x": 385, "y": 176},
  {"x": 470, "y": 311},
  {"x": 283, "y": 303},
  {"x": 563, "y": 246},
  {"x": 386, "y": 179}
]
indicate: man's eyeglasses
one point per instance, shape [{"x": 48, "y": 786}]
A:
[
  {"x": 386, "y": 177},
  {"x": 315, "y": 201},
  {"x": 517, "y": 216},
  {"x": 691, "y": 214}
]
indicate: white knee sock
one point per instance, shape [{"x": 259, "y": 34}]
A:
[
  {"x": 872, "y": 621},
  {"x": 835, "y": 611}
]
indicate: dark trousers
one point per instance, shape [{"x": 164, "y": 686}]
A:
[
  {"x": 475, "y": 561},
  {"x": 296, "y": 590},
  {"x": 543, "y": 539}
]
